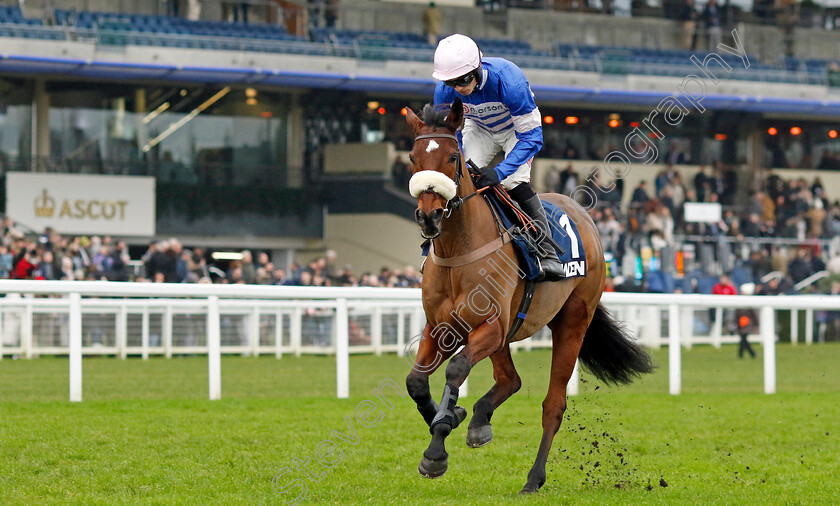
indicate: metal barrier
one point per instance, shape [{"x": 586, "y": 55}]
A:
[{"x": 143, "y": 319}]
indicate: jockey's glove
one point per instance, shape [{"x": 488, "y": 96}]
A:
[{"x": 483, "y": 177}]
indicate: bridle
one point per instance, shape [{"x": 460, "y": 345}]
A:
[{"x": 456, "y": 201}]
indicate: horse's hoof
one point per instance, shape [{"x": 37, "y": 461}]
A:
[
  {"x": 529, "y": 489},
  {"x": 460, "y": 415},
  {"x": 432, "y": 468},
  {"x": 479, "y": 436}
]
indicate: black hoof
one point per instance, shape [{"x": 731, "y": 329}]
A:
[
  {"x": 529, "y": 489},
  {"x": 432, "y": 468},
  {"x": 479, "y": 436},
  {"x": 460, "y": 415}
]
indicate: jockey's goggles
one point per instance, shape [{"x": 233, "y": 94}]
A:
[{"x": 464, "y": 80}]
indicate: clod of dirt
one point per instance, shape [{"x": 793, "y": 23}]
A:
[{"x": 663, "y": 483}]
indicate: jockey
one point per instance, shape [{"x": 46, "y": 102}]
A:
[{"x": 500, "y": 114}]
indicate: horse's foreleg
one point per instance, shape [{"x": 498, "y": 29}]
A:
[
  {"x": 507, "y": 384},
  {"x": 429, "y": 357},
  {"x": 567, "y": 331},
  {"x": 482, "y": 342}
]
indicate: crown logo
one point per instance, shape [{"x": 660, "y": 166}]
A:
[{"x": 44, "y": 205}]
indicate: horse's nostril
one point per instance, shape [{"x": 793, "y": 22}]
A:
[
  {"x": 437, "y": 214},
  {"x": 419, "y": 215}
]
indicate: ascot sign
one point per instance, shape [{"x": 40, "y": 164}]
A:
[{"x": 83, "y": 204}]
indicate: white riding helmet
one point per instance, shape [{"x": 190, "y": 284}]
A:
[{"x": 455, "y": 56}]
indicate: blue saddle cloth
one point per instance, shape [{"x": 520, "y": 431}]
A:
[{"x": 565, "y": 233}]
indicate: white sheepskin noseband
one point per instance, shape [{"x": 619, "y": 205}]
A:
[{"x": 433, "y": 181}]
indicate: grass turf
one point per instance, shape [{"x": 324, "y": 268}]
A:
[{"x": 146, "y": 434}]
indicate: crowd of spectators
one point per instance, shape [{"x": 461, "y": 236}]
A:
[
  {"x": 789, "y": 208},
  {"x": 52, "y": 256}
]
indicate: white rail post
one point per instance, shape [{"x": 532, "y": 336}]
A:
[
  {"x": 717, "y": 328},
  {"x": 376, "y": 330},
  {"x": 278, "y": 334},
  {"x": 167, "y": 331},
  {"x": 144, "y": 333},
  {"x": 2, "y": 330},
  {"x": 686, "y": 322},
  {"x": 26, "y": 336},
  {"x": 342, "y": 349},
  {"x": 674, "y": 359},
  {"x": 768, "y": 341},
  {"x": 214, "y": 348},
  {"x": 401, "y": 326},
  {"x": 573, "y": 386},
  {"x": 254, "y": 331},
  {"x": 417, "y": 325},
  {"x": 465, "y": 388},
  {"x": 794, "y": 326},
  {"x": 75, "y": 324},
  {"x": 122, "y": 332},
  {"x": 809, "y": 326},
  {"x": 297, "y": 324}
]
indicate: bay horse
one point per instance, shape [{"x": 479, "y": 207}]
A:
[{"x": 471, "y": 300}]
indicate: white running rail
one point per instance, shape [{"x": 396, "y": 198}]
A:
[{"x": 143, "y": 319}]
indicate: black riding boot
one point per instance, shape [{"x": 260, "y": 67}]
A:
[{"x": 552, "y": 269}]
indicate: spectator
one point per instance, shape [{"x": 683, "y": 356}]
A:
[
  {"x": 747, "y": 322},
  {"x": 687, "y": 15},
  {"x": 431, "y": 23},
  {"x": 568, "y": 180},
  {"x": 331, "y": 13},
  {"x": 249, "y": 272},
  {"x": 712, "y": 20},
  {"x": 6, "y": 262},
  {"x": 401, "y": 173},
  {"x": 640, "y": 195},
  {"x": 804, "y": 265},
  {"x": 193, "y": 10},
  {"x": 724, "y": 286}
]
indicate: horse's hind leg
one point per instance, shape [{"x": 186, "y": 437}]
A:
[
  {"x": 567, "y": 331},
  {"x": 507, "y": 384}
]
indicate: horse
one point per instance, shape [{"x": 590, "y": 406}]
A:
[{"x": 471, "y": 300}]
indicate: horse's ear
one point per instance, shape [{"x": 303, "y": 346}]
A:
[
  {"x": 456, "y": 114},
  {"x": 413, "y": 121}
]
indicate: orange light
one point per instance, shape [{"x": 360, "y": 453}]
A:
[
  {"x": 720, "y": 137},
  {"x": 265, "y": 114},
  {"x": 795, "y": 131},
  {"x": 743, "y": 321},
  {"x": 832, "y": 134},
  {"x": 381, "y": 110},
  {"x": 772, "y": 131},
  {"x": 613, "y": 123},
  {"x": 571, "y": 120},
  {"x": 404, "y": 111},
  {"x": 634, "y": 124},
  {"x": 548, "y": 120}
]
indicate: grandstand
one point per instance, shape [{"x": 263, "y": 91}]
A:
[{"x": 266, "y": 129}]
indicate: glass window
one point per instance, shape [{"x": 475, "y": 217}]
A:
[
  {"x": 212, "y": 135},
  {"x": 15, "y": 124}
]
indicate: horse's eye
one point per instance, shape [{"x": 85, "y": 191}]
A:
[
  {"x": 453, "y": 158},
  {"x": 411, "y": 159}
]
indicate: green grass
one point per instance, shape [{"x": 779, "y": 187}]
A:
[{"x": 146, "y": 434}]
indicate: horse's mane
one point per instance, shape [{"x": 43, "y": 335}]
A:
[{"x": 435, "y": 115}]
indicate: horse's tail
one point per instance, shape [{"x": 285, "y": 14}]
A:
[{"x": 610, "y": 352}]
